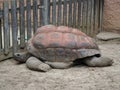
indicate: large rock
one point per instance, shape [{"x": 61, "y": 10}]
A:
[
  {"x": 112, "y": 15},
  {"x": 108, "y": 37}
]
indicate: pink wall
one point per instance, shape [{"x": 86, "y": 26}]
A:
[{"x": 112, "y": 15}]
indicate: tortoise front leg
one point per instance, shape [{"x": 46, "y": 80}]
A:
[
  {"x": 98, "y": 61},
  {"x": 37, "y": 65}
]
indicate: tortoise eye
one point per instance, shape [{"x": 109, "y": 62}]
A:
[{"x": 17, "y": 54}]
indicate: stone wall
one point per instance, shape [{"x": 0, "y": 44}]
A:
[{"x": 112, "y": 15}]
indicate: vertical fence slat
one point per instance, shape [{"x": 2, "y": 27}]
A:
[
  {"x": 6, "y": 27},
  {"x": 101, "y": 14},
  {"x": 44, "y": 18},
  {"x": 54, "y": 12},
  {"x": 14, "y": 25},
  {"x": 65, "y": 12},
  {"x": 84, "y": 16},
  {"x": 96, "y": 8},
  {"x": 74, "y": 13},
  {"x": 45, "y": 12},
  {"x": 35, "y": 15},
  {"x": 79, "y": 14},
  {"x": 70, "y": 13},
  {"x": 59, "y": 12},
  {"x": 22, "y": 24},
  {"x": 28, "y": 15},
  {"x": 41, "y": 13},
  {"x": 0, "y": 35},
  {"x": 49, "y": 10},
  {"x": 87, "y": 16},
  {"x": 0, "y": 29},
  {"x": 92, "y": 16}
]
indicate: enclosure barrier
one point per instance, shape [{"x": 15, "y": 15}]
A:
[{"x": 19, "y": 19}]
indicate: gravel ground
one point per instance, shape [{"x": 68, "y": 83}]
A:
[{"x": 14, "y": 76}]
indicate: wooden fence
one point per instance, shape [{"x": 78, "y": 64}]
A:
[{"x": 19, "y": 19}]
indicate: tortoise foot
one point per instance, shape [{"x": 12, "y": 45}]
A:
[
  {"x": 98, "y": 61},
  {"x": 37, "y": 65}
]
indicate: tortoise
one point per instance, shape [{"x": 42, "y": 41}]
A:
[{"x": 61, "y": 47}]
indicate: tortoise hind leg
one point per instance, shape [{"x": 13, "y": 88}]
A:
[
  {"x": 37, "y": 65},
  {"x": 60, "y": 65},
  {"x": 98, "y": 61}
]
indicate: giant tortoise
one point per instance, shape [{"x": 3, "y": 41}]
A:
[{"x": 60, "y": 47}]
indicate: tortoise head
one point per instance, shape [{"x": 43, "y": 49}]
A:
[{"x": 21, "y": 56}]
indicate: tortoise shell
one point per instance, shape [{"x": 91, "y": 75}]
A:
[{"x": 61, "y": 44}]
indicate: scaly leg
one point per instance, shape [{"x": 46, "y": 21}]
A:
[
  {"x": 35, "y": 64},
  {"x": 98, "y": 61}
]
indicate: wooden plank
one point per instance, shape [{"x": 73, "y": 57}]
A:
[
  {"x": 54, "y": 12},
  {"x": 35, "y": 15},
  {"x": 49, "y": 10},
  {"x": 28, "y": 15},
  {"x": 22, "y": 23},
  {"x": 92, "y": 17},
  {"x": 6, "y": 28},
  {"x": 14, "y": 25},
  {"x": 96, "y": 9},
  {"x": 41, "y": 13},
  {"x": 74, "y": 12},
  {"x": 70, "y": 13},
  {"x": 59, "y": 12},
  {"x": 84, "y": 16},
  {"x": 65, "y": 12},
  {"x": 87, "y": 16},
  {"x": 1, "y": 35},
  {"x": 89, "y": 9},
  {"x": 79, "y": 14},
  {"x": 101, "y": 15}
]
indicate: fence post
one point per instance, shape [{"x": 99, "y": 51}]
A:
[
  {"x": 0, "y": 29},
  {"x": 6, "y": 27},
  {"x": 101, "y": 7},
  {"x": 14, "y": 25},
  {"x": 22, "y": 24},
  {"x": 46, "y": 12}
]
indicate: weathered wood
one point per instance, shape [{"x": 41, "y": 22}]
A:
[
  {"x": 54, "y": 12},
  {"x": 101, "y": 15},
  {"x": 59, "y": 12},
  {"x": 74, "y": 12},
  {"x": 92, "y": 17},
  {"x": 0, "y": 35},
  {"x": 41, "y": 13},
  {"x": 84, "y": 16},
  {"x": 89, "y": 17},
  {"x": 35, "y": 15},
  {"x": 65, "y": 12},
  {"x": 79, "y": 14},
  {"x": 96, "y": 8},
  {"x": 70, "y": 13},
  {"x": 14, "y": 25},
  {"x": 6, "y": 28},
  {"x": 22, "y": 23},
  {"x": 46, "y": 12},
  {"x": 28, "y": 15}
]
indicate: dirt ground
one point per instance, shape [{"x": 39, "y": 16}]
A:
[{"x": 15, "y": 76}]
